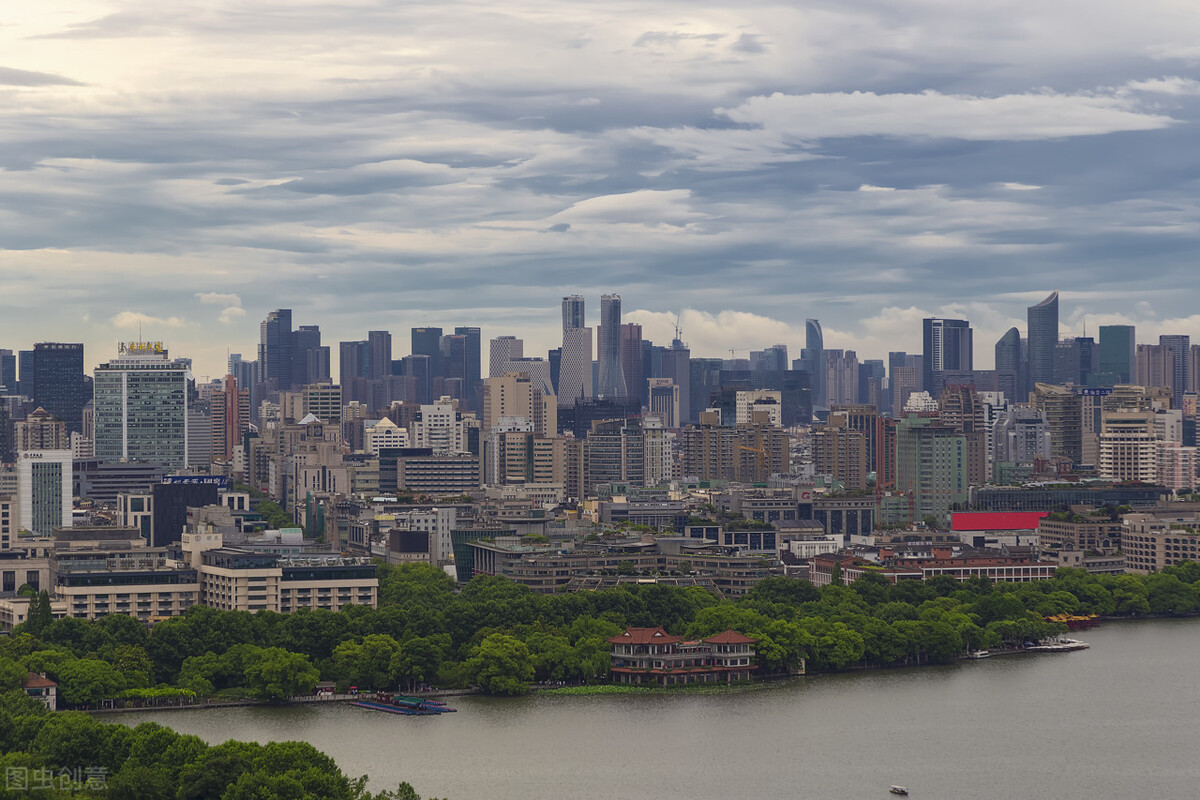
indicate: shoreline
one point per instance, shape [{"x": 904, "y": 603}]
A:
[{"x": 582, "y": 690}]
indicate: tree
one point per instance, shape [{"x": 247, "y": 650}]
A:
[
  {"x": 12, "y": 674},
  {"x": 835, "y": 575},
  {"x": 419, "y": 659},
  {"x": 368, "y": 664},
  {"x": 279, "y": 674},
  {"x": 501, "y": 665},
  {"x": 40, "y": 614},
  {"x": 87, "y": 681}
]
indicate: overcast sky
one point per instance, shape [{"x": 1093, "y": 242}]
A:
[{"x": 189, "y": 166}]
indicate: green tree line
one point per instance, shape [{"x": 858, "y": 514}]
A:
[{"x": 500, "y": 636}]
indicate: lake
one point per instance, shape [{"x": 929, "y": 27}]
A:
[{"x": 1120, "y": 720}]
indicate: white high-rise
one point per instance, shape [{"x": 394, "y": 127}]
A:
[
  {"x": 575, "y": 368},
  {"x": 504, "y": 349}
]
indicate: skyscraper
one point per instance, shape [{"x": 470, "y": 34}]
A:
[
  {"x": 275, "y": 348},
  {"x": 1043, "y": 338},
  {"x": 230, "y": 417},
  {"x": 1178, "y": 348},
  {"x": 948, "y": 347},
  {"x": 676, "y": 365},
  {"x": 631, "y": 361},
  {"x": 56, "y": 381},
  {"x": 379, "y": 344},
  {"x": 8, "y": 372},
  {"x": 142, "y": 407},
  {"x": 814, "y": 358},
  {"x": 502, "y": 350},
  {"x": 428, "y": 342},
  {"x": 474, "y": 363},
  {"x": 611, "y": 383},
  {"x": 305, "y": 353},
  {"x": 1118, "y": 352},
  {"x": 575, "y": 366},
  {"x": 572, "y": 312}
]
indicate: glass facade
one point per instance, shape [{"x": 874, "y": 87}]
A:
[{"x": 141, "y": 407}]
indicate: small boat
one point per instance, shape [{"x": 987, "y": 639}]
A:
[
  {"x": 899, "y": 790},
  {"x": 978, "y": 654}
]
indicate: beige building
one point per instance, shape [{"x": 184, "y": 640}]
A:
[
  {"x": 98, "y": 571},
  {"x": 233, "y": 578},
  {"x": 517, "y": 395},
  {"x": 41, "y": 431},
  {"x": 1158, "y": 539},
  {"x": 1128, "y": 446}
]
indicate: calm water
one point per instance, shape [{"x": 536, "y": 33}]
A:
[{"x": 1120, "y": 720}]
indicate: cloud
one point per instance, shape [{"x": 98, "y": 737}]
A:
[
  {"x": 23, "y": 77},
  {"x": 931, "y": 114},
  {"x": 231, "y": 314},
  {"x": 1169, "y": 85},
  {"x": 135, "y": 320},
  {"x": 218, "y": 299}
]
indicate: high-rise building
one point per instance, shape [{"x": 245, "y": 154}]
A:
[
  {"x": 56, "y": 381},
  {"x": 275, "y": 349},
  {"x": 1179, "y": 350},
  {"x": 931, "y": 464},
  {"x": 840, "y": 452},
  {"x": 354, "y": 369},
  {"x": 428, "y": 342},
  {"x": 141, "y": 407},
  {"x": 611, "y": 383},
  {"x": 572, "y": 312},
  {"x": 631, "y": 361},
  {"x": 1118, "y": 352},
  {"x": 948, "y": 347},
  {"x": 474, "y": 363},
  {"x": 454, "y": 366},
  {"x": 676, "y": 366},
  {"x": 961, "y": 408},
  {"x": 502, "y": 350},
  {"x": 379, "y": 346},
  {"x": 1043, "y": 337},
  {"x": 308, "y": 357},
  {"x": 8, "y": 373},
  {"x": 773, "y": 359},
  {"x": 44, "y": 487},
  {"x": 1008, "y": 366},
  {"x": 520, "y": 396},
  {"x": 230, "y": 418},
  {"x": 575, "y": 364},
  {"x": 814, "y": 360},
  {"x": 41, "y": 431},
  {"x": 841, "y": 376}
]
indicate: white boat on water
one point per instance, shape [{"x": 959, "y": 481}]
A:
[{"x": 978, "y": 654}]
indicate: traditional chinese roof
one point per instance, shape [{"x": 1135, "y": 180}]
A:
[
  {"x": 36, "y": 681},
  {"x": 730, "y": 637},
  {"x": 645, "y": 636}
]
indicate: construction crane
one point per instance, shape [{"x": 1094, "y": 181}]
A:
[{"x": 762, "y": 458}]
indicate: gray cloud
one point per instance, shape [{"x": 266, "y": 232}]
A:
[
  {"x": 386, "y": 165},
  {"x": 24, "y": 77}
]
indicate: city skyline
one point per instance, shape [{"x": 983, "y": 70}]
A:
[
  {"x": 745, "y": 167},
  {"x": 718, "y": 332}
]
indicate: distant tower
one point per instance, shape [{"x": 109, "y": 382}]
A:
[
  {"x": 275, "y": 348},
  {"x": 948, "y": 347},
  {"x": 612, "y": 378},
  {"x": 1118, "y": 349},
  {"x": 1043, "y": 338},
  {"x": 572, "y": 312},
  {"x": 814, "y": 356},
  {"x": 575, "y": 366}
]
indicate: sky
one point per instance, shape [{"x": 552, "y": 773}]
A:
[{"x": 180, "y": 169}]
